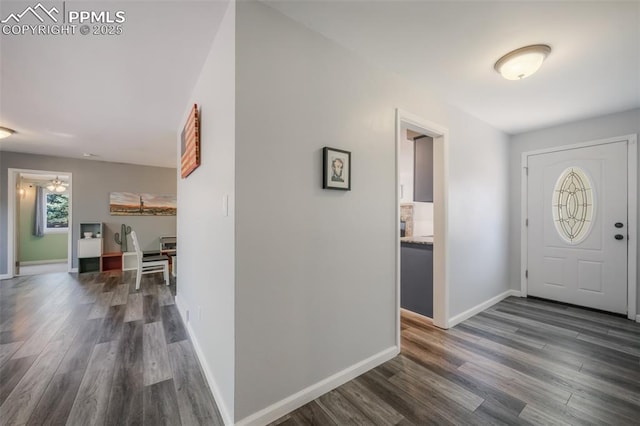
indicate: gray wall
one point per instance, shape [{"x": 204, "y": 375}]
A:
[
  {"x": 623, "y": 123},
  {"x": 206, "y": 236},
  {"x": 92, "y": 183},
  {"x": 315, "y": 269}
]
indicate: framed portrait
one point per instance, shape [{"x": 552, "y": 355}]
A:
[
  {"x": 336, "y": 169},
  {"x": 190, "y": 144}
]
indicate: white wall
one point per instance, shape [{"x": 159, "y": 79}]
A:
[
  {"x": 315, "y": 269},
  {"x": 478, "y": 212},
  {"x": 620, "y": 124},
  {"x": 205, "y": 235},
  {"x": 422, "y": 219}
]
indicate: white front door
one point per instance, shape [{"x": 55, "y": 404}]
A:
[{"x": 577, "y": 232}]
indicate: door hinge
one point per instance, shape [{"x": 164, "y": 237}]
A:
[
  {"x": 526, "y": 273},
  {"x": 526, "y": 222}
]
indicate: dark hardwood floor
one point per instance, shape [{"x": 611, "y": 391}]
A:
[
  {"x": 521, "y": 362},
  {"x": 89, "y": 350}
]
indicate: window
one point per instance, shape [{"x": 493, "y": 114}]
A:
[
  {"x": 56, "y": 212},
  {"x": 572, "y": 205}
]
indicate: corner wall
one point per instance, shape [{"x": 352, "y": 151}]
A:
[
  {"x": 205, "y": 233},
  {"x": 608, "y": 126},
  {"x": 315, "y": 269}
]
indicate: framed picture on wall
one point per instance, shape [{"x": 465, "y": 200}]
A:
[
  {"x": 336, "y": 169},
  {"x": 140, "y": 204},
  {"x": 190, "y": 144}
]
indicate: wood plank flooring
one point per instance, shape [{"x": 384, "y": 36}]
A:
[
  {"x": 521, "y": 362},
  {"x": 89, "y": 350}
]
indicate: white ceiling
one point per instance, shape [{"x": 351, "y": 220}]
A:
[
  {"x": 123, "y": 97},
  {"x": 449, "y": 48}
]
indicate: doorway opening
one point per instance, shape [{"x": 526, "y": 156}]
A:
[
  {"x": 39, "y": 222},
  {"x": 431, "y": 226}
]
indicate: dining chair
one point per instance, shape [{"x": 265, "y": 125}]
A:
[{"x": 149, "y": 264}]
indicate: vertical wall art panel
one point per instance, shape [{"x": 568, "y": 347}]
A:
[{"x": 190, "y": 144}]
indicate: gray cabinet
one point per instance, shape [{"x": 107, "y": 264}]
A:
[
  {"x": 423, "y": 169},
  {"x": 416, "y": 278}
]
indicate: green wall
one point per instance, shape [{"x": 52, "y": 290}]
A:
[{"x": 32, "y": 248}]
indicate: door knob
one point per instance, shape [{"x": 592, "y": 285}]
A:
[
  {"x": 619, "y": 236},
  {"x": 619, "y": 225}
]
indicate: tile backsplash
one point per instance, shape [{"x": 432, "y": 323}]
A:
[{"x": 406, "y": 215}]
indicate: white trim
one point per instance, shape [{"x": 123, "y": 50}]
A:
[
  {"x": 482, "y": 306},
  {"x": 524, "y": 211},
  {"x": 72, "y": 270},
  {"x": 11, "y": 214},
  {"x": 213, "y": 385},
  {"x": 580, "y": 145},
  {"x": 632, "y": 220},
  {"x": 42, "y": 262},
  {"x": 6, "y": 277},
  {"x": 632, "y": 212},
  {"x": 48, "y": 231},
  {"x": 440, "y": 137},
  {"x": 637, "y": 318},
  {"x": 280, "y": 408}
]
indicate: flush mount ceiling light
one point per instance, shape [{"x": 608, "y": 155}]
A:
[
  {"x": 5, "y": 132},
  {"x": 57, "y": 185},
  {"x": 523, "y": 62}
]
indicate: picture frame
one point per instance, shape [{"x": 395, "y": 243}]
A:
[
  {"x": 190, "y": 144},
  {"x": 336, "y": 169},
  {"x": 142, "y": 204}
]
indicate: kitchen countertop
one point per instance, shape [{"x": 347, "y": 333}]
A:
[{"x": 428, "y": 240}]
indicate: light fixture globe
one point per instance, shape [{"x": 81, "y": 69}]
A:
[
  {"x": 523, "y": 62},
  {"x": 5, "y": 132},
  {"x": 57, "y": 185}
]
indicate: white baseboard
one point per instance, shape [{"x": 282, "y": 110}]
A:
[
  {"x": 73, "y": 270},
  {"x": 481, "y": 307},
  {"x": 213, "y": 385},
  {"x": 280, "y": 408},
  {"x": 637, "y": 318},
  {"x": 42, "y": 262},
  {"x": 6, "y": 276}
]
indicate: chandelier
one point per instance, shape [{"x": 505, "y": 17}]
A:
[{"x": 56, "y": 185}]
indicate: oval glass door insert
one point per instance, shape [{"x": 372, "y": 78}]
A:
[{"x": 572, "y": 205}]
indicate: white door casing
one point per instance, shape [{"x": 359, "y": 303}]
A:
[
  {"x": 573, "y": 197},
  {"x": 12, "y": 180}
]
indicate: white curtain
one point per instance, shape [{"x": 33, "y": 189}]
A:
[{"x": 38, "y": 229}]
